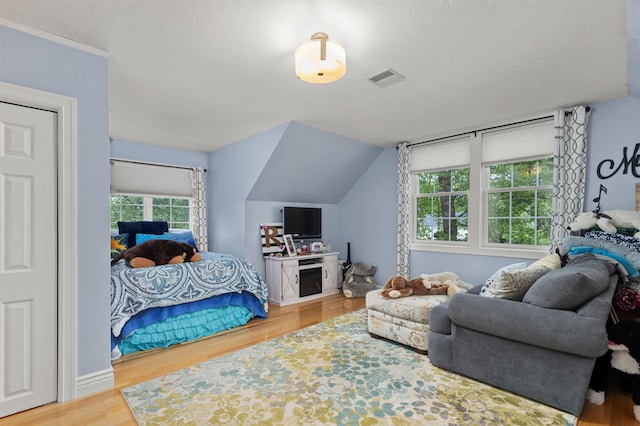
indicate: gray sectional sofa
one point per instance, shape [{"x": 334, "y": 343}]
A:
[{"x": 543, "y": 347}]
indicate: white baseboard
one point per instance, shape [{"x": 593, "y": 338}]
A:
[{"x": 95, "y": 382}]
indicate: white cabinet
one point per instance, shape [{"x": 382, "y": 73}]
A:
[{"x": 301, "y": 278}]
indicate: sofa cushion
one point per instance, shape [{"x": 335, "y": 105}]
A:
[
  {"x": 490, "y": 282},
  {"x": 513, "y": 283},
  {"x": 583, "y": 278}
]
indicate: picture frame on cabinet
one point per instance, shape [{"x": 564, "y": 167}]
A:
[{"x": 291, "y": 247}]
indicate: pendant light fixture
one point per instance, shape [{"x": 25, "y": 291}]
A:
[{"x": 320, "y": 60}]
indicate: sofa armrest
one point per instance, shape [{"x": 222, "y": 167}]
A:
[
  {"x": 439, "y": 321},
  {"x": 560, "y": 330}
]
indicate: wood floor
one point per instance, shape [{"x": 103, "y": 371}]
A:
[{"x": 110, "y": 408}]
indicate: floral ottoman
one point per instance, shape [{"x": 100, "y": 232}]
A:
[{"x": 404, "y": 320}]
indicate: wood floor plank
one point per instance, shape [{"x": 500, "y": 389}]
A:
[{"x": 109, "y": 408}]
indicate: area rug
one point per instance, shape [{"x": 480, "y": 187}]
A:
[{"x": 332, "y": 373}]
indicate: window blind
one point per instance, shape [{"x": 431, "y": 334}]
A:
[
  {"x": 530, "y": 141},
  {"x": 444, "y": 155},
  {"x": 150, "y": 179}
]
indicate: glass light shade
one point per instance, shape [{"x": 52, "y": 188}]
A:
[{"x": 310, "y": 67}]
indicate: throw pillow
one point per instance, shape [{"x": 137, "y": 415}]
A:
[
  {"x": 141, "y": 238},
  {"x": 513, "y": 285},
  {"x": 490, "y": 282},
  {"x": 582, "y": 278},
  {"x": 118, "y": 244},
  {"x": 181, "y": 237},
  {"x": 142, "y": 227},
  {"x": 551, "y": 262}
]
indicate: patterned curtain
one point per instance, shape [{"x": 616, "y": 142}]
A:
[
  {"x": 199, "y": 209},
  {"x": 569, "y": 163},
  {"x": 404, "y": 203}
]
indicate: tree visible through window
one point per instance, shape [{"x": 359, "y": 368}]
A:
[
  {"x": 130, "y": 208},
  {"x": 442, "y": 205},
  {"x": 520, "y": 202},
  {"x": 485, "y": 190}
]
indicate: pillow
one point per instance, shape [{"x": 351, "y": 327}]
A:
[
  {"x": 141, "y": 238},
  {"x": 489, "y": 283},
  {"x": 551, "y": 262},
  {"x": 583, "y": 278},
  {"x": 513, "y": 285},
  {"x": 118, "y": 244},
  {"x": 142, "y": 227},
  {"x": 181, "y": 237}
]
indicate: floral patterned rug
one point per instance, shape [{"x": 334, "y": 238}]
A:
[{"x": 332, "y": 373}]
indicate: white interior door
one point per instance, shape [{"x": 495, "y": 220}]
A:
[{"x": 28, "y": 258}]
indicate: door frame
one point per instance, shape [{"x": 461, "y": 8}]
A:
[{"x": 67, "y": 200}]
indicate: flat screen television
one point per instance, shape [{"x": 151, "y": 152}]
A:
[{"x": 303, "y": 222}]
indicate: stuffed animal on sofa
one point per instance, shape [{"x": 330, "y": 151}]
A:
[
  {"x": 358, "y": 280},
  {"x": 456, "y": 285},
  {"x": 608, "y": 221},
  {"x": 158, "y": 252},
  {"x": 399, "y": 286},
  {"x": 623, "y": 357}
]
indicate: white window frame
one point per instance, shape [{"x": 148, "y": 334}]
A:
[
  {"x": 477, "y": 209},
  {"x": 147, "y": 206}
]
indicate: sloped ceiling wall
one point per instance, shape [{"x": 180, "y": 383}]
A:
[{"x": 310, "y": 165}]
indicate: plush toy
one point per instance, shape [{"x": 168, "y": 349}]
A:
[
  {"x": 456, "y": 285},
  {"x": 399, "y": 286},
  {"x": 608, "y": 221},
  {"x": 358, "y": 280},
  {"x": 623, "y": 357},
  {"x": 158, "y": 252}
]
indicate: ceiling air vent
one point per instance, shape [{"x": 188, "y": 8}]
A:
[{"x": 385, "y": 77}]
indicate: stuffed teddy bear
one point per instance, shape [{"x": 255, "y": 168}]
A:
[
  {"x": 623, "y": 356},
  {"x": 158, "y": 252},
  {"x": 399, "y": 286},
  {"x": 608, "y": 221},
  {"x": 358, "y": 280}
]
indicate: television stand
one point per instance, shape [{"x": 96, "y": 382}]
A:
[{"x": 300, "y": 278}]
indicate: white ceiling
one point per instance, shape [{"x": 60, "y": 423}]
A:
[{"x": 202, "y": 74}]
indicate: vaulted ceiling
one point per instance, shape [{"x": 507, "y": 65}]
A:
[{"x": 202, "y": 74}]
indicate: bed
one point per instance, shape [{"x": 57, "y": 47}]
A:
[{"x": 164, "y": 305}]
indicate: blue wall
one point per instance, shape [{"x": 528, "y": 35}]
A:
[
  {"x": 33, "y": 62},
  {"x": 369, "y": 223},
  {"x": 613, "y": 126},
  {"x": 368, "y": 217},
  {"x": 232, "y": 172}
]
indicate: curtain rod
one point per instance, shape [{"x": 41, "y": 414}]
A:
[
  {"x": 153, "y": 164},
  {"x": 489, "y": 128}
]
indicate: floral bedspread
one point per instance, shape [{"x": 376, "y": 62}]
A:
[{"x": 136, "y": 289}]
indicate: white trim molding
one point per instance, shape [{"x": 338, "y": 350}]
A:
[
  {"x": 66, "y": 109},
  {"x": 52, "y": 37},
  {"x": 95, "y": 382}
]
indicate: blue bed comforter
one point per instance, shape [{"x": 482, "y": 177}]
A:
[{"x": 134, "y": 290}]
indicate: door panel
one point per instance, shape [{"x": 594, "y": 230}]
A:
[{"x": 28, "y": 258}]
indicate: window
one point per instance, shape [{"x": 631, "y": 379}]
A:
[
  {"x": 142, "y": 191},
  {"x": 129, "y": 208},
  {"x": 489, "y": 192},
  {"x": 519, "y": 203},
  {"x": 442, "y": 202}
]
